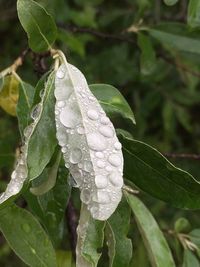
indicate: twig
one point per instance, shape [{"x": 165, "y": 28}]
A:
[
  {"x": 103, "y": 35},
  {"x": 72, "y": 222},
  {"x": 182, "y": 156}
]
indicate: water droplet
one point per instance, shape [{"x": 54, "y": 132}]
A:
[
  {"x": 26, "y": 228},
  {"x": 60, "y": 104},
  {"x": 85, "y": 196},
  {"x": 116, "y": 179},
  {"x": 61, "y": 136},
  {"x": 28, "y": 131},
  {"x": 36, "y": 111},
  {"x": 64, "y": 149},
  {"x": 87, "y": 165},
  {"x": 60, "y": 74},
  {"x": 92, "y": 114},
  {"x": 102, "y": 197},
  {"x": 75, "y": 155},
  {"x": 99, "y": 155},
  {"x": 106, "y": 131},
  {"x": 100, "y": 164},
  {"x": 96, "y": 142},
  {"x": 108, "y": 169},
  {"x": 33, "y": 250},
  {"x": 101, "y": 181},
  {"x": 42, "y": 93},
  {"x": 80, "y": 130},
  {"x": 115, "y": 160},
  {"x": 70, "y": 116},
  {"x": 104, "y": 120},
  {"x": 117, "y": 145},
  {"x": 67, "y": 165}
]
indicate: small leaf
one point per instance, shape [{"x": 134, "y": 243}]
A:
[
  {"x": 9, "y": 94},
  {"x": 90, "y": 238},
  {"x": 38, "y": 24},
  {"x": 193, "y": 16},
  {"x": 154, "y": 174},
  {"x": 112, "y": 101},
  {"x": 26, "y": 93},
  {"x": 26, "y": 237},
  {"x": 64, "y": 258},
  {"x": 148, "y": 56},
  {"x": 182, "y": 225},
  {"x": 154, "y": 240},
  {"x": 49, "y": 176},
  {"x": 43, "y": 139},
  {"x": 177, "y": 36},
  {"x": 189, "y": 259},
  {"x": 170, "y": 2},
  {"x": 119, "y": 246}
]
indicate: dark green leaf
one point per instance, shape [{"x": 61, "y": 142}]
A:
[
  {"x": 43, "y": 140},
  {"x": 193, "y": 17},
  {"x": 119, "y": 246},
  {"x": 148, "y": 56},
  {"x": 38, "y": 24},
  {"x": 154, "y": 240},
  {"x": 112, "y": 101},
  {"x": 64, "y": 258},
  {"x": 154, "y": 174},
  {"x": 177, "y": 36},
  {"x": 90, "y": 238},
  {"x": 26, "y": 237},
  {"x": 26, "y": 93}
]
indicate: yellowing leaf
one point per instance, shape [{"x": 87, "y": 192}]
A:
[{"x": 9, "y": 94}]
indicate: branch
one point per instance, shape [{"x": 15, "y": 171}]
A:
[
  {"x": 182, "y": 156},
  {"x": 103, "y": 35}
]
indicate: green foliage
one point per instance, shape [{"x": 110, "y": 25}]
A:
[{"x": 146, "y": 49}]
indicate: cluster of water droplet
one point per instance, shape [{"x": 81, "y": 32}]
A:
[
  {"x": 20, "y": 172},
  {"x": 89, "y": 144}
]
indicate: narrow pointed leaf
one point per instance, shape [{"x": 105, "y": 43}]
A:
[
  {"x": 189, "y": 259},
  {"x": 112, "y": 101},
  {"x": 154, "y": 240},
  {"x": 26, "y": 237},
  {"x": 43, "y": 140},
  {"x": 24, "y": 105},
  {"x": 154, "y": 174},
  {"x": 89, "y": 143},
  {"x": 38, "y": 24},
  {"x": 177, "y": 36},
  {"x": 90, "y": 238},
  {"x": 119, "y": 245}
]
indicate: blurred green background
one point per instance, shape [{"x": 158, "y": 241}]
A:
[{"x": 160, "y": 82}]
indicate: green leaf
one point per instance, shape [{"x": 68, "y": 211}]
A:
[
  {"x": 154, "y": 174},
  {"x": 1, "y": 83},
  {"x": 177, "y": 36},
  {"x": 49, "y": 176},
  {"x": 170, "y": 2},
  {"x": 119, "y": 246},
  {"x": 193, "y": 16},
  {"x": 148, "y": 56},
  {"x": 154, "y": 240},
  {"x": 189, "y": 259},
  {"x": 50, "y": 207},
  {"x": 112, "y": 101},
  {"x": 25, "y": 101},
  {"x": 26, "y": 237},
  {"x": 38, "y": 24},
  {"x": 43, "y": 140},
  {"x": 90, "y": 238},
  {"x": 9, "y": 94}
]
